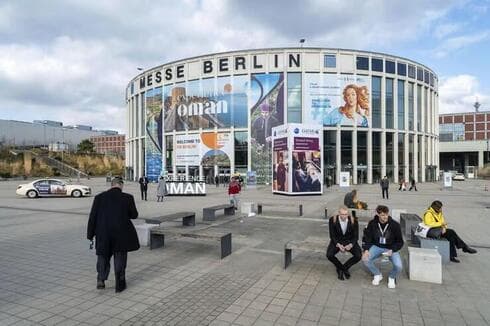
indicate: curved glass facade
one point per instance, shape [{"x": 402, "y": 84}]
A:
[{"x": 212, "y": 116}]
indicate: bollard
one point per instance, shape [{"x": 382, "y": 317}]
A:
[
  {"x": 353, "y": 214},
  {"x": 259, "y": 209},
  {"x": 326, "y": 213},
  {"x": 300, "y": 209}
]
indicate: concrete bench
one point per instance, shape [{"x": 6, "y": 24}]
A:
[
  {"x": 260, "y": 207},
  {"x": 425, "y": 265},
  {"x": 406, "y": 222},
  {"x": 143, "y": 232},
  {"x": 319, "y": 246},
  {"x": 188, "y": 218},
  {"x": 441, "y": 245},
  {"x": 157, "y": 237},
  {"x": 209, "y": 213}
]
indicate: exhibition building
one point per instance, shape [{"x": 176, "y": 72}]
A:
[{"x": 373, "y": 114}]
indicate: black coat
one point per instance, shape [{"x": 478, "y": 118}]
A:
[
  {"x": 110, "y": 222},
  {"x": 393, "y": 235},
  {"x": 336, "y": 236},
  {"x": 143, "y": 181}
]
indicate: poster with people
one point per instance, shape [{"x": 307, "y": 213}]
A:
[
  {"x": 297, "y": 159},
  {"x": 153, "y": 148},
  {"x": 331, "y": 99}
]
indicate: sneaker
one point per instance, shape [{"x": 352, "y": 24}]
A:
[
  {"x": 391, "y": 283},
  {"x": 377, "y": 279}
]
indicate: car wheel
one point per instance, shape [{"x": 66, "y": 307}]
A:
[
  {"x": 32, "y": 194},
  {"x": 76, "y": 193}
]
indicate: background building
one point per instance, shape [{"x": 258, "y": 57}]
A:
[
  {"x": 42, "y": 133},
  {"x": 213, "y": 114},
  {"x": 109, "y": 144},
  {"x": 464, "y": 141}
]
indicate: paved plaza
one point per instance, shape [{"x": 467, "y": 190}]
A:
[{"x": 48, "y": 277}]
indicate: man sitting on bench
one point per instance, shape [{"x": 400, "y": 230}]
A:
[
  {"x": 344, "y": 233},
  {"x": 438, "y": 227},
  {"x": 382, "y": 236}
]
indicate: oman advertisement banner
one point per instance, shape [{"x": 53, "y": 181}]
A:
[
  {"x": 331, "y": 100},
  {"x": 153, "y": 142},
  {"x": 297, "y": 159},
  {"x": 206, "y": 149}
]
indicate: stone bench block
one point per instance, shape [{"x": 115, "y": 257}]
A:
[
  {"x": 425, "y": 265},
  {"x": 143, "y": 232},
  {"x": 442, "y": 246},
  {"x": 248, "y": 208}
]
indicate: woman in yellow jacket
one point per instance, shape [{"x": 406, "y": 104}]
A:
[{"x": 433, "y": 217}]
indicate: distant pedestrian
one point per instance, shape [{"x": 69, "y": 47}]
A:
[
  {"x": 233, "y": 191},
  {"x": 216, "y": 181},
  {"x": 385, "y": 184},
  {"x": 115, "y": 235},
  {"x": 412, "y": 185},
  {"x": 403, "y": 185},
  {"x": 161, "y": 189},
  {"x": 143, "y": 181}
]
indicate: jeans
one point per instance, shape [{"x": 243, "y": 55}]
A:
[
  {"x": 234, "y": 200},
  {"x": 375, "y": 252}
]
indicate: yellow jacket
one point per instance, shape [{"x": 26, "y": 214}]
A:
[{"x": 433, "y": 219}]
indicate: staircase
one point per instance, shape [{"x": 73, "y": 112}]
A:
[{"x": 63, "y": 168}]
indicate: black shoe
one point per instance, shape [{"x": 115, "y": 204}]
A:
[
  {"x": 100, "y": 284},
  {"x": 120, "y": 284},
  {"x": 454, "y": 260},
  {"x": 346, "y": 273},
  {"x": 469, "y": 250},
  {"x": 340, "y": 274}
]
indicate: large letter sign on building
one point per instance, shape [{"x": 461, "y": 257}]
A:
[{"x": 297, "y": 159}]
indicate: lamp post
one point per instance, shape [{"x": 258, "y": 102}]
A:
[{"x": 302, "y": 41}]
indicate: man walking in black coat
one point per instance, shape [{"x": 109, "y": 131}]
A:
[
  {"x": 385, "y": 184},
  {"x": 143, "y": 181},
  {"x": 110, "y": 224},
  {"x": 344, "y": 233}
]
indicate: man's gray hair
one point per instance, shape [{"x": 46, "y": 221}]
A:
[
  {"x": 117, "y": 181},
  {"x": 343, "y": 208}
]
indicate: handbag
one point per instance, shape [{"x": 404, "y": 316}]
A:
[{"x": 421, "y": 230}]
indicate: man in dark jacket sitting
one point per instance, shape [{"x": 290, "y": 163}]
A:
[
  {"x": 344, "y": 233},
  {"x": 110, "y": 223},
  {"x": 382, "y": 236}
]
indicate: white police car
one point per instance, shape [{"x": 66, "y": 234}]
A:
[{"x": 52, "y": 188}]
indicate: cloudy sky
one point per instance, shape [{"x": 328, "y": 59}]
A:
[{"x": 70, "y": 60}]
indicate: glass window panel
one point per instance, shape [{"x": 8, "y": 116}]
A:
[
  {"x": 426, "y": 77},
  {"x": 410, "y": 106},
  {"x": 401, "y": 156},
  {"x": 362, "y": 63},
  {"x": 402, "y": 69},
  {"x": 376, "y": 102},
  {"x": 294, "y": 97},
  {"x": 401, "y": 104},
  {"x": 376, "y": 156},
  {"x": 390, "y": 67},
  {"x": 419, "y": 107},
  {"x": 411, "y": 71},
  {"x": 346, "y": 150},
  {"x": 420, "y": 74},
  {"x": 241, "y": 149},
  {"x": 389, "y": 103},
  {"x": 377, "y": 64},
  {"x": 330, "y": 61}
]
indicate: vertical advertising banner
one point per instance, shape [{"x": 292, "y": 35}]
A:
[
  {"x": 331, "y": 100},
  {"x": 266, "y": 103},
  {"x": 307, "y": 159},
  {"x": 297, "y": 159},
  {"x": 153, "y": 141}
]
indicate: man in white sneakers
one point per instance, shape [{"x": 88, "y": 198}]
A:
[{"x": 382, "y": 236}]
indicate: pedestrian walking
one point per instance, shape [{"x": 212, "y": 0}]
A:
[
  {"x": 109, "y": 222},
  {"x": 385, "y": 184},
  {"x": 412, "y": 185},
  {"x": 161, "y": 189},
  {"x": 233, "y": 191},
  {"x": 216, "y": 181},
  {"x": 143, "y": 181}
]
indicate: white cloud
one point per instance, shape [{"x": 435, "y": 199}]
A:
[
  {"x": 457, "y": 43},
  {"x": 459, "y": 93},
  {"x": 443, "y": 30}
]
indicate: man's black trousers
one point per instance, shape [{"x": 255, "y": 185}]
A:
[
  {"x": 385, "y": 191},
  {"x": 355, "y": 251},
  {"x": 104, "y": 265}
]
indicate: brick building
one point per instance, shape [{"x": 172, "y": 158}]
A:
[
  {"x": 109, "y": 144},
  {"x": 464, "y": 140}
]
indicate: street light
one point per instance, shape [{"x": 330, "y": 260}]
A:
[
  {"x": 140, "y": 69},
  {"x": 302, "y": 41}
]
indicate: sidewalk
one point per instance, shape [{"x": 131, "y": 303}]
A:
[{"x": 47, "y": 272}]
